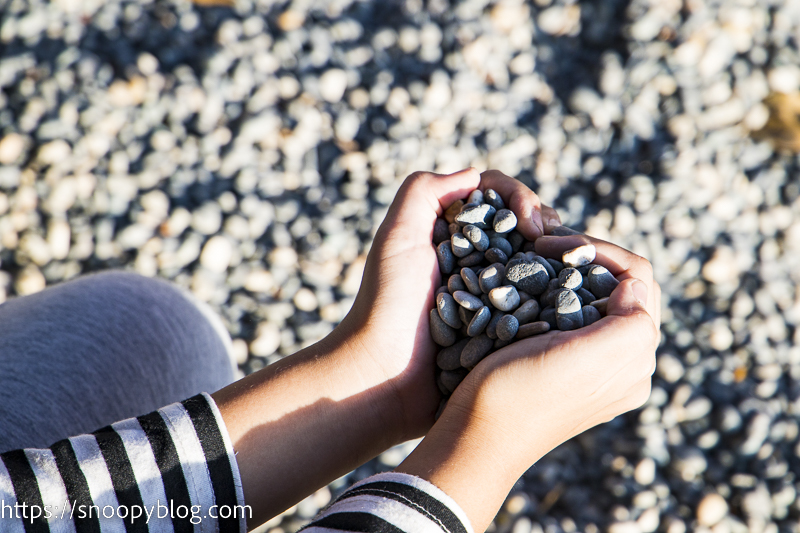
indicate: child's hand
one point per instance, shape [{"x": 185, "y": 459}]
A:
[{"x": 390, "y": 314}]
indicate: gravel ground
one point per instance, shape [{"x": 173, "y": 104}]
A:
[{"x": 249, "y": 152}]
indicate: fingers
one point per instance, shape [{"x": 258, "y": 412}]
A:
[
  {"x": 520, "y": 199},
  {"x": 619, "y": 261},
  {"x": 423, "y": 196}
]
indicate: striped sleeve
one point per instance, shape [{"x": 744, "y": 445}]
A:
[
  {"x": 171, "y": 471},
  {"x": 392, "y": 503}
]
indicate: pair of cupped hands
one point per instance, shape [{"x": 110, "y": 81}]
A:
[{"x": 316, "y": 414}]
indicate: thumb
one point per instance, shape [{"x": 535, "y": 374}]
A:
[
  {"x": 628, "y": 298},
  {"x": 425, "y": 195}
]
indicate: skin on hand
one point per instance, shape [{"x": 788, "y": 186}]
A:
[{"x": 527, "y": 398}]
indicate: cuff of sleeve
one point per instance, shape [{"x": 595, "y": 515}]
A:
[{"x": 393, "y": 502}]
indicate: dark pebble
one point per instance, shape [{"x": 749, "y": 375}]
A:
[
  {"x": 450, "y": 358},
  {"x": 547, "y": 266},
  {"x": 601, "y": 305},
  {"x": 568, "y": 311},
  {"x": 439, "y": 383},
  {"x": 590, "y": 315},
  {"x": 496, "y": 255},
  {"x": 442, "y": 290},
  {"x": 585, "y": 296},
  {"x": 548, "y": 315},
  {"x": 500, "y": 343},
  {"x": 479, "y": 215},
  {"x": 448, "y": 310},
  {"x": 600, "y": 281},
  {"x": 456, "y": 283},
  {"x": 529, "y": 246},
  {"x": 451, "y": 378},
  {"x": 479, "y": 321},
  {"x": 442, "y": 334},
  {"x": 501, "y": 244},
  {"x": 527, "y": 312},
  {"x": 453, "y": 228},
  {"x": 563, "y": 231},
  {"x": 441, "y": 408},
  {"x": 475, "y": 350},
  {"x": 523, "y": 296},
  {"x": 515, "y": 239},
  {"x": 557, "y": 265},
  {"x": 447, "y": 261},
  {"x": 534, "y": 328},
  {"x": 491, "y": 327},
  {"x": 507, "y": 327},
  {"x": 491, "y": 277},
  {"x": 471, "y": 281},
  {"x": 471, "y": 260},
  {"x": 440, "y": 231},
  {"x": 465, "y": 316}
]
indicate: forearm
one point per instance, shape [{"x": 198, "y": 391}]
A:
[
  {"x": 457, "y": 457},
  {"x": 306, "y": 420}
]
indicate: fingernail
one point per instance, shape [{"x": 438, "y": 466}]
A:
[
  {"x": 552, "y": 222},
  {"x": 640, "y": 292}
]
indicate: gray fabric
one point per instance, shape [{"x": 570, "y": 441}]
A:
[{"x": 89, "y": 352}]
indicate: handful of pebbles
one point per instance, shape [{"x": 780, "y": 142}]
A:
[{"x": 499, "y": 290}]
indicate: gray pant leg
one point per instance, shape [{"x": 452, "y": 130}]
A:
[{"x": 89, "y": 352}]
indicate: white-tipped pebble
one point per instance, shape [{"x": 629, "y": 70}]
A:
[
  {"x": 468, "y": 301},
  {"x": 504, "y": 298},
  {"x": 580, "y": 256}
]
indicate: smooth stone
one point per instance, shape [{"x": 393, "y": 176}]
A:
[
  {"x": 450, "y": 358},
  {"x": 465, "y": 316},
  {"x": 477, "y": 237},
  {"x": 585, "y": 296},
  {"x": 547, "y": 266},
  {"x": 584, "y": 270},
  {"x": 534, "y": 328},
  {"x": 516, "y": 240},
  {"x": 550, "y": 296},
  {"x": 496, "y": 255},
  {"x": 442, "y": 405},
  {"x": 580, "y": 256},
  {"x": 472, "y": 259},
  {"x": 491, "y": 197},
  {"x": 507, "y": 327},
  {"x": 479, "y": 321},
  {"x": 456, "y": 283},
  {"x": 600, "y": 281},
  {"x": 442, "y": 388},
  {"x": 499, "y": 343},
  {"x": 440, "y": 231},
  {"x": 442, "y": 334},
  {"x": 504, "y": 298},
  {"x": 453, "y": 228},
  {"x": 557, "y": 265},
  {"x": 568, "y": 311},
  {"x": 452, "y": 378},
  {"x": 529, "y": 247},
  {"x": 590, "y": 315},
  {"x": 441, "y": 290},
  {"x": 475, "y": 197},
  {"x": 491, "y": 327},
  {"x": 492, "y": 277},
  {"x": 504, "y": 221},
  {"x": 447, "y": 261},
  {"x": 563, "y": 231},
  {"x": 471, "y": 281},
  {"x": 548, "y": 315},
  {"x": 712, "y": 509},
  {"x": 527, "y": 312},
  {"x": 448, "y": 310},
  {"x": 571, "y": 279},
  {"x": 502, "y": 244},
  {"x": 524, "y": 297},
  {"x": 468, "y": 301},
  {"x": 486, "y": 301},
  {"x": 479, "y": 215},
  {"x": 461, "y": 245},
  {"x": 475, "y": 350},
  {"x": 528, "y": 276},
  {"x": 452, "y": 211},
  {"x": 601, "y": 305}
]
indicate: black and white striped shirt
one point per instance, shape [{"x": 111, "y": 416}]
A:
[{"x": 174, "y": 471}]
